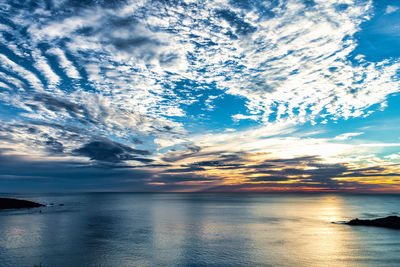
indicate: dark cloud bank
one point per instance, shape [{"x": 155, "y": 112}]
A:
[
  {"x": 109, "y": 151},
  {"x": 108, "y": 172}
]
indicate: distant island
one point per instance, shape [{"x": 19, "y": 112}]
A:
[
  {"x": 392, "y": 222},
  {"x": 11, "y": 203}
]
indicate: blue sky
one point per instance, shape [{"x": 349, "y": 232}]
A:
[{"x": 227, "y": 95}]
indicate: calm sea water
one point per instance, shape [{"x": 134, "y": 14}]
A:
[{"x": 118, "y": 229}]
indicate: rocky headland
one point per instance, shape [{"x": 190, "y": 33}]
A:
[
  {"x": 11, "y": 203},
  {"x": 387, "y": 222}
]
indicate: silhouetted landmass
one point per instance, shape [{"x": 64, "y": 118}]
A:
[
  {"x": 388, "y": 222},
  {"x": 11, "y": 203}
]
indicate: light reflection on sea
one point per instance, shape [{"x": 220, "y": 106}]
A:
[{"x": 120, "y": 229}]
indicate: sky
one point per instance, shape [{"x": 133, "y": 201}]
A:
[{"x": 193, "y": 96}]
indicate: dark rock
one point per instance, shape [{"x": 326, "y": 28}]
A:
[
  {"x": 11, "y": 203},
  {"x": 388, "y": 222}
]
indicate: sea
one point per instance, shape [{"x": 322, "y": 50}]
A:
[{"x": 198, "y": 229}]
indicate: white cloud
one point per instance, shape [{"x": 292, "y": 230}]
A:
[
  {"x": 391, "y": 9},
  {"x": 42, "y": 64},
  {"x": 66, "y": 64},
  {"x": 291, "y": 66},
  {"x": 22, "y": 72},
  {"x": 393, "y": 157},
  {"x": 294, "y": 64},
  {"x": 238, "y": 117},
  {"x": 347, "y": 136}
]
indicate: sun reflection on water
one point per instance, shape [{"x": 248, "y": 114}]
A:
[{"x": 310, "y": 238}]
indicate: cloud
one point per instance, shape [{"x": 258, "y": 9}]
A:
[
  {"x": 391, "y": 9},
  {"x": 393, "y": 156},
  {"x": 23, "y": 173},
  {"x": 183, "y": 178},
  {"x": 238, "y": 117},
  {"x": 173, "y": 156},
  {"x": 240, "y": 26},
  {"x": 109, "y": 170},
  {"x": 111, "y": 81},
  {"x": 188, "y": 169},
  {"x": 64, "y": 63},
  {"x": 58, "y": 104},
  {"x": 266, "y": 52},
  {"x": 293, "y": 161},
  {"x": 269, "y": 178},
  {"x": 313, "y": 174},
  {"x": 108, "y": 151},
  {"x": 54, "y": 146},
  {"x": 346, "y": 136}
]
